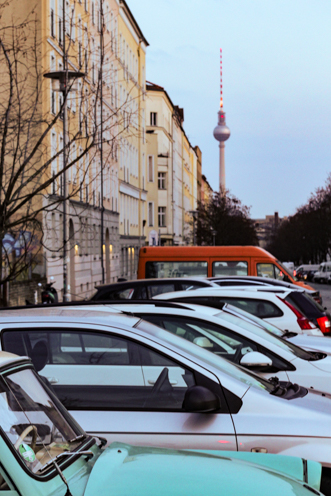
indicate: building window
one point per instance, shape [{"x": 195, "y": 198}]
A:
[
  {"x": 153, "y": 119},
  {"x": 53, "y": 19},
  {"x": 162, "y": 216},
  {"x": 161, "y": 180},
  {"x": 150, "y": 168},
  {"x": 150, "y": 214}
]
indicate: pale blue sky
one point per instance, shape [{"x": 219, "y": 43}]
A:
[{"x": 276, "y": 82}]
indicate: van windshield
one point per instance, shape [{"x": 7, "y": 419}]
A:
[{"x": 285, "y": 270}]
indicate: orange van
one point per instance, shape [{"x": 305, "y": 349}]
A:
[{"x": 209, "y": 261}]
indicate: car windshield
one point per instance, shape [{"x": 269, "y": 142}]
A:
[
  {"x": 221, "y": 364},
  {"x": 232, "y": 311},
  {"x": 38, "y": 428},
  {"x": 271, "y": 338}
]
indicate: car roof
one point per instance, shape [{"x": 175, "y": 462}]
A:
[
  {"x": 93, "y": 316},
  {"x": 138, "y": 282},
  {"x": 263, "y": 280},
  {"x": 240, "y": 292}
]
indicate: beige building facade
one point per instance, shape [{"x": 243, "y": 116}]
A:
[{"x": 172, "y": 172}]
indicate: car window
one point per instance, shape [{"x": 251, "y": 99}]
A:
[
  {"x": 258, "y": 307},
  {"x": 230, "y": 268},
  {"x": 103, "y": 371},
  {"x": 185, "y": 286},
  {"x": 156, "y": 289},
  {"x": 116, "y": 294}
]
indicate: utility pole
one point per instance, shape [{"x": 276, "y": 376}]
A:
[
  {"x": 64, "y": 174},
  {"x": 101, "y": 22}
]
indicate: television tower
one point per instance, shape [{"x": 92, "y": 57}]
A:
[{"x": 221, "y": 133}]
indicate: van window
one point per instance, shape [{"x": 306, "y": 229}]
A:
[
  {"x": 269, "y": 270},
  {"x": 232, "y": 268},
  {"x": 176, "y": 269}
]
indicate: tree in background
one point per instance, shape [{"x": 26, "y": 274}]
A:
[
  {"x": 224, "y": 218},
  {"x": 306, "y": 236}
]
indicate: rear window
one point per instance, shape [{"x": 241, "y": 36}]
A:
[
  {"x": 304, "y": 304},
  {"x": 230, "y": 268},
  {"x": 176, "y": 269}
]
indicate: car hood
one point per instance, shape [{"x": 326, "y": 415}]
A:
[
  {"x": 323, "y": 364},
  {"x": 317, "y": 343},
  {"x": 126, "y": 470}
]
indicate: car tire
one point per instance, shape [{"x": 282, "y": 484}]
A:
[{"x": 326, "y": 481}]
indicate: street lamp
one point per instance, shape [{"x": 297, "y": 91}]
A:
[
  {"x": 214, "y": 236},
  {"x": 64, "y": 78}
]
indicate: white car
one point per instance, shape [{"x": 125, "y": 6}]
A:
[
  {"x": 127, "y": 380},
  {"x": 268, "y": 304},
  {"x": 241, "y": 342},
  {"x": 308, "y": 342}
]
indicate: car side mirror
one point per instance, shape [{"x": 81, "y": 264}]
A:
[
  {"x": 199, "y": 399},
  {"x": 203, "y": 342},
  {"x": 255, "y": 359}
]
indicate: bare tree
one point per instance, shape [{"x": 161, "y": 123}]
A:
[{"x": 31, "y": 166}]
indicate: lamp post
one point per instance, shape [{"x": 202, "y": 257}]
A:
[
  {"x": 214, "y": 236},
  {"x": 64, "y": 77}
]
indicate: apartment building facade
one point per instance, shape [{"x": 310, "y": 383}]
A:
[
  {"x": 104, "y": 118},
  {"x": 172, "y": 172}
]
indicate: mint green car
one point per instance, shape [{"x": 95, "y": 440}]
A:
[{"x": 44, "y": 452}]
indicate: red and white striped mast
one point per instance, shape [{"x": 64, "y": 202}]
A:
[{"x": 221, "y": 132}]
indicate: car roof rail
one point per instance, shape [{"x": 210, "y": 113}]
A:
[{"x": 157, "y": 303}]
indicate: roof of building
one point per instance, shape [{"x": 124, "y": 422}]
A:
[{"x": 134, "y": 22}]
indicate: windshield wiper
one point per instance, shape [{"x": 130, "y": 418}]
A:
[
  {"x": 288, "y": 390},
  {"x": 90, "y": 454},
  {"x": 288, "y": 334},
  {"x": 316, "y": 355},
  {"x": 77, "y": 438}
]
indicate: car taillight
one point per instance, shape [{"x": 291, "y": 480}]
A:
[
  {"x": 303, "y": 322},
  {"x": 324, "y": 324}
]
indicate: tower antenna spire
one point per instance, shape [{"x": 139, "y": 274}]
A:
[
  {"x": 221, "y": 131},
  {"x": 221, "y": 80}
]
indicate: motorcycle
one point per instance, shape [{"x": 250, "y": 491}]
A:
[{"x": 49, "y": 294}]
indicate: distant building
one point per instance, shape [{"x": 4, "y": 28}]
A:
[
  {"x": 266, "y": 227},
  {"x": 206, "y": 189},
  {"x": 173, "y": 171}
]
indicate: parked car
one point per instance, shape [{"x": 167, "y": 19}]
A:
[
  {"x": 323, "y": 273},
  {"x": 245, "y": 344},
  {"x": 44, "y": 451},
  {"x": 144, "y": 289},
  {"x": 306, "y": 341},
  {"x": 261, "y": 281},
  {"x": 124, "y": 378},
  {"x": 267, "y": 305},
  {"x": 306, "y": 272}
]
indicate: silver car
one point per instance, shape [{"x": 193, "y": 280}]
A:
[{"x": 128, "y": 380}]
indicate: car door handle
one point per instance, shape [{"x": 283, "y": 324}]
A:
[
  {"x": 52, "y": 380},
  {"x": 173, "y": 383}
]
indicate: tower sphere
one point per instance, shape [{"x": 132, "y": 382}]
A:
[{"x": 221, "y": 132}]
